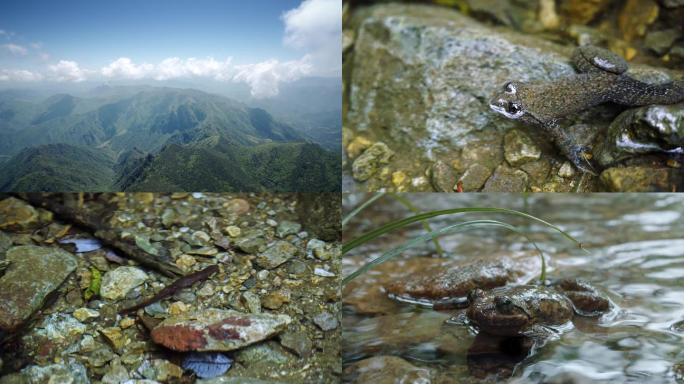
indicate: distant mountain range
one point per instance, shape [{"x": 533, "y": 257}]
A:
[{"x": 156, "y": 139}]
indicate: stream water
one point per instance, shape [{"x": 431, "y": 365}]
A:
[{"x": 635, "y": 245}]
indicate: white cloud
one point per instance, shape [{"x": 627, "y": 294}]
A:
[
  {"x": 124, "y": 68},
  {"x": 15, "y": 49},
  {"x": 316, "y": 28},
  {"x": 265, "y": 77},
  {"x": 19, "y": 75},
  {"x": 175, "y": 67},
  {"x": 36, "y": 45},
  {"x": 67, "y": 71}
]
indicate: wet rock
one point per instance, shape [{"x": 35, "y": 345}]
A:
[
  {"x": 160, "y": 370},
  {"x": 442, "y": 177},
  {"x": 217, "y": 330},
  {"x": 185, "y": 262},
  {"x": 276, "y": 254},
  {"x": 5, "y": 244},
  {"x": 474, "y": 177},
  {"x": 15, "y": 214},
  {"x": 117, "y": 283},
  {"x": 387, "y": 370},
  {"x": 19, "y": 296},
  {"x": 237, "y": 206},
  {"x": 566, "y": 170},
  {"x": 370, "y": 161},
  {"x": 640, "y": 179},
  {"x": 519, "y": 148},
  {"x": 326, "y": 321},
  {"x": 286, "y": 228},
  {"x": 268, "y": 355},
  {"x": 237, "y": 380},
  {"x": 661, "y": 41},
  {"x": 100, "y": 356},
  {"x": 506, "y": 179},
  {"x": 582, "y": 12},
  {"x": 357, "y": 146},
  {"x": 251, "y": 243},
  {"x": 233, "y": 231},
  {"x": 252, "y": 301},
  {"x": 457, "y": 280},
  {"x": 116, "y": 374},
  {"x": 71, "y": 373},
  {"x": 114, "y": 336},
  {"x": 678, "y": 370},
  {"x": 654, "y": 128},
  {"x": 275, "y": 300},
  {"x": 83, "y": 314},
  {"x": 431, "y": 100},
  {"x": 321, "y": 214},
  {"x": 298, "y": 342},
  {"x": 635, "y": 17}
]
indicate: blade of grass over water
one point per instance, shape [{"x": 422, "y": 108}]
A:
[
  {"x": 423, "y": 216},
  {"x": 361, "y": 207},
  {"x": 460, "y": 227},
  {"x": 426, "y": 224}
]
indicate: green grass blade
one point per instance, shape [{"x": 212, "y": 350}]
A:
[
  {"x": 426, "y": 224},
  {"x": 361, "y": 207},
  {"x": 428, "y": 236},
  {"x": 423, "y": 216}
]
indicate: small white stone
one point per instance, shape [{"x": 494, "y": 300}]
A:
[
  {"x": 566, "y": 170},
  {"x": 323, "y": 272}
]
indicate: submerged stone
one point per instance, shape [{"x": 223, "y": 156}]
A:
[
  {"x": 117, "y": 283},
  {"x": 33, "y": 273},
  {"x": 276, "y": 254},
  {"x": 17, "y": 215},
  {"x": 217, "y": 330},
  {"x": 71, "y": 373}
]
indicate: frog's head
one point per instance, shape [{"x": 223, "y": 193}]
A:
[
  {"x": 508, "y": 102},
  {"x": 498, "y": 314}
]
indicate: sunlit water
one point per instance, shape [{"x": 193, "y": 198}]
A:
[{"x": 636, "y": 256}]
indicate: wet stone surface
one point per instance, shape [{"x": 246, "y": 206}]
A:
[{"x": 259, "y": 304}]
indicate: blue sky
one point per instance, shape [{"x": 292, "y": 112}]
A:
[{"x": 254, "y": 41}]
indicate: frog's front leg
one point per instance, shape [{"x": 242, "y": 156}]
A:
[{"x": 577, "y": 153}]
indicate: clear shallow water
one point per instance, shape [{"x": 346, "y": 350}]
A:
[{"x": 636, "y": 256}]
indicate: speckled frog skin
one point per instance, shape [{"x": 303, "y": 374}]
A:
[{"x": 601, "y": 79}]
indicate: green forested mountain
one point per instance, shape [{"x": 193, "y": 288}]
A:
[
  {"x": 161, "y": 139},
  {"x": 57, "y": 167}
]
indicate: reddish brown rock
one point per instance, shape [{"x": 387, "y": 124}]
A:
[{"x": 217, "y": 330}]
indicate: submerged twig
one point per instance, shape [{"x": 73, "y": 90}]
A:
[
  {"x": 183, "y": 282},
  {"x": 96, "y": 224}
]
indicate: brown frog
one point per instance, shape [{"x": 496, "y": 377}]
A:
[
  {"x": 529, "y": 310},
  {"x": 601, "y": 78}
]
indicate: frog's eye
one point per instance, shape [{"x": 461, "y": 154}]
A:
[
  {"x": 513, "y": 108},
  {"x": 503, "y": 303},
  {"x": 510, "y": 88}
]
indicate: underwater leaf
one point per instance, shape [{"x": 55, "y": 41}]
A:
[
  {"x": 95, "y": 282},
  {"x": 82, "y": 245},
  {"x": 207, "y": 365}
]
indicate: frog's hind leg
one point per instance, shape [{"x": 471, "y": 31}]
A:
[
  {"x": 578, "y": 154},
  {"x": 586, "y": 300},
  {"x": 631, "y": 92}
]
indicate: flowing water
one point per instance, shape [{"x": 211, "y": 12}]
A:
[{"x": 635, "y": 245}]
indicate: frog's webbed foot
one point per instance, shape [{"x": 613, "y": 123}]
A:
[
  {"x": 580, "y": 156},
  {"x": 586, "y": 300}
]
